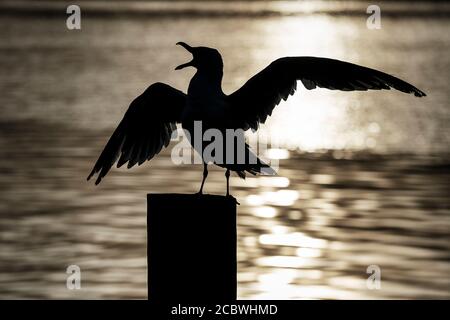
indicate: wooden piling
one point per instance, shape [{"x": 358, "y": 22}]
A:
[{"x": 191, "y": 250}]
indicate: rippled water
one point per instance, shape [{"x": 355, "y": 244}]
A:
[{"x": 372, "y": 188}]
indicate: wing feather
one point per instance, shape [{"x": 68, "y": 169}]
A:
[
  {"x": 144, "y": 131},
  {"x": 256, "y": 99}
]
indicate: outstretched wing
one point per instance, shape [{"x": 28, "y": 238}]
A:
[
  {"x": 144, "y": 130},
  {"x": 255, "y": 100}
]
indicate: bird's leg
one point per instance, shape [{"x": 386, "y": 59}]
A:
[
  {"x": 205, "y": 174},
  {"x": 227, "y": 175}
]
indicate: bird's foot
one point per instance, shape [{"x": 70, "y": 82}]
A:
[{"x": 230, "y": 196}]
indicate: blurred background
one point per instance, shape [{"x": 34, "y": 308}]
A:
[{"x": 364, "y": 177}]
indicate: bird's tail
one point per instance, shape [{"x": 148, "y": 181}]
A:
[{"x": 259, "y": 167}]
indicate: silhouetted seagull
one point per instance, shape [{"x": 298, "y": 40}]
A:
[{"x": 152, "y": 117}]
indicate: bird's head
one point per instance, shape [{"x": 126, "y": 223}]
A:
[{"x": 203, "y": 58}]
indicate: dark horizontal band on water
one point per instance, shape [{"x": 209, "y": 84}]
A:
[{"x": 110, "y": 9}]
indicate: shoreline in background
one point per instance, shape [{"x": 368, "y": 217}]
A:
[{"x": 120, "y": 8}]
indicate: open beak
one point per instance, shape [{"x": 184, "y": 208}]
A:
[{"x": 190, "y": 63}]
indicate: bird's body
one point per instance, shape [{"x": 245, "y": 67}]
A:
[
  {"x": 205, "y": 102},
  {"x": 151, "y": 118}
]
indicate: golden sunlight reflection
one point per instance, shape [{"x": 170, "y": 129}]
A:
[
  {"x": 277, "y": 279},
  {"x": 280, "y": 229},
  {"x": 277, "y": 153},
  {"x": 264, "y": 181},
  {"x": 280, "y": 197},
  {"x": 308, "y": 252},
  {"x": 254, "y": 200},
  {"x": 295, "y": 239},
  {"x": 286, "y": 262},
  {"x": 309, "y": 120},
  {"x": 278, "y": 182},
  {"x": 319, "y": 119},
  {"x": 264, "y": 212}
]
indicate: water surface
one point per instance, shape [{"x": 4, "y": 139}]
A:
[{"x": 363, "y": 179}]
